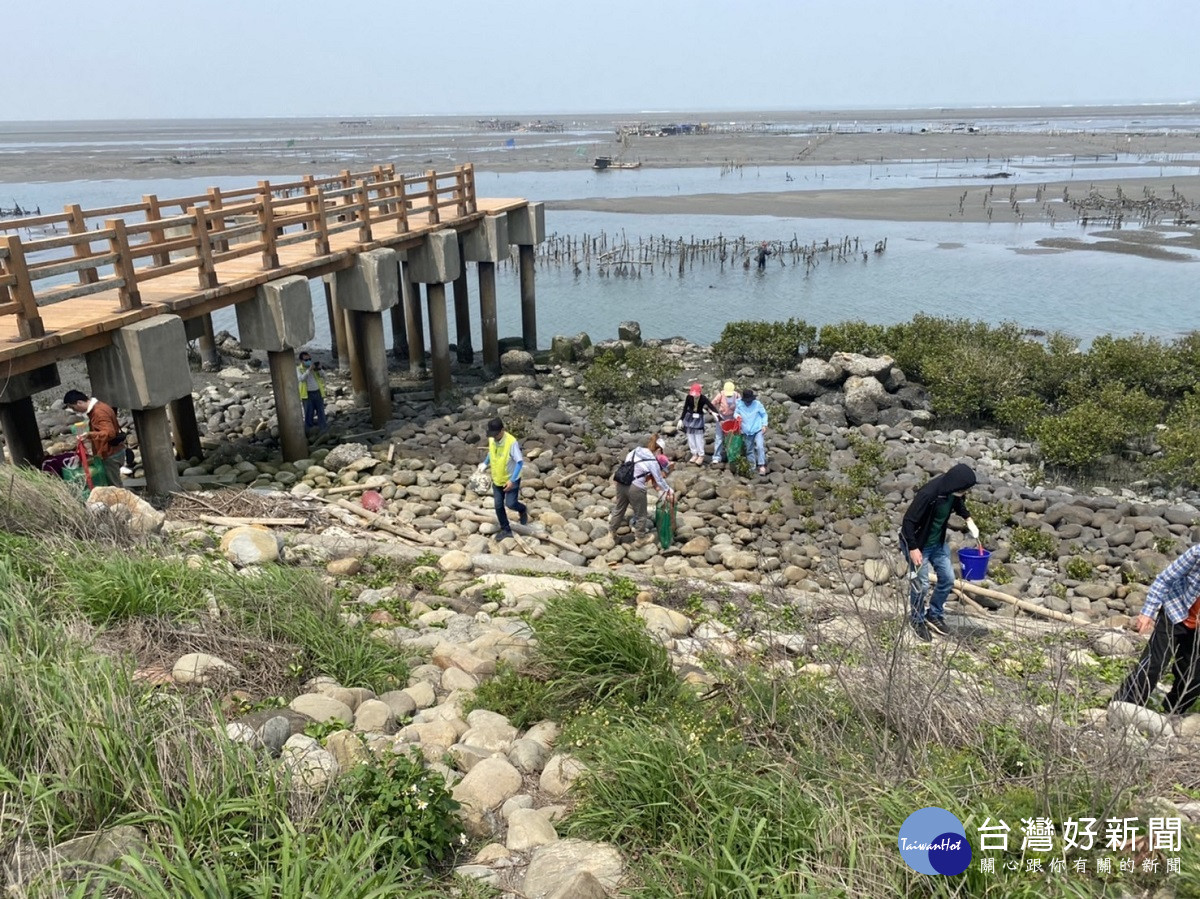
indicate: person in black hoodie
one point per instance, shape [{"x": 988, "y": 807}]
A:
[{"x": 923, "y": 542}]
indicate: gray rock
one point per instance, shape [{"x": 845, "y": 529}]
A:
[
  {"x": 554, "y": 865},
  {"x": 630, "y": 331},
  {"x": 517, "y": 362}
]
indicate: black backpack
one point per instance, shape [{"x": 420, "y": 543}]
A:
[{"x": 624, "y": 473}]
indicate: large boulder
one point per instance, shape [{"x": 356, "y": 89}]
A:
[
  {"x": 857, "y": 365},
  {"x": 554, "y": 864},
  {"x": 630, "y": 331},
  {"x": 516, "y": 362},
  {"x": 247, "y": 545},
  {"x": 143, "y": 518},
  {"x": 865, "y": 396}
]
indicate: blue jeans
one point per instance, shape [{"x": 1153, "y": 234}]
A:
[
  {"x": 937, "y": 558},
  {"x": 756, "y": 449},
  {"x": 502, "y": 498},
  {"x": 314, "y": 411}
]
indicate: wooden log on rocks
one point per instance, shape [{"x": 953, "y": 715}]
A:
[
  {"x": 233, "y": 522},
  {"x": 1021, "y": 604},
  {"x": 381, "y": 522}
]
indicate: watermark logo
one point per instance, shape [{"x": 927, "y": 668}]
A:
[{"x": 933, "y": 841}]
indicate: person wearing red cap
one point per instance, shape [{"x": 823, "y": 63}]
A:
[{"x": 695, "y": 404}]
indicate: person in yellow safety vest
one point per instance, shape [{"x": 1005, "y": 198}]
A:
[
  {"x": 312, "y": 391},
  {"x": 505, "y": 461}
]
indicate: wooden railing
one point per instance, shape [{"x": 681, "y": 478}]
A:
[{"x": 140, "y": 242}]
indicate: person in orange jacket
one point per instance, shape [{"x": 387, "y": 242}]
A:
[{"x": 104, "y": 432}]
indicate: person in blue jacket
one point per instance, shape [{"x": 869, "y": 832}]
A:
[{"x": 753, "y": 415}]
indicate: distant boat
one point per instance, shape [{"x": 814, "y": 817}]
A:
[{"x": 607, "y": 162}]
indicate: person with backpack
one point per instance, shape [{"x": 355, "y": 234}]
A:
[
  {"x": 104, "y": 432},
  {"x": 695, "y": 404},
  {"x": 632, "y": 477},
  {"x": 505, "y": 461}
]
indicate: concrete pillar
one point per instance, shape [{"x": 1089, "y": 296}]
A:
[
  {"x": 366, "y": 290},
  {"x": 158, "y": 455},
  {"x": 187, "y": 430},
  {"x": 487, "y": 315},
  {"x": 399, "y": 332},
  {"x": 486, "y": 244},
  {"x": 414, "y": 321},
  {"x": 337, "y": 335},
  {"x": 289, "y": 410},
  {"x": 279, "y": 319},
  {"x": 462, "y": 314},
  {"x": 527, "y": 228},
  {"x": 358, "y": 379},
  {"x": 200, "y": 329},
  {"x": 21, "y": 433},
  {"x": 439, "y": 339},
  {"x": 17, "y": 417},
  {"x": 373, "y": 353},
  {"x": 434, "y": 263},
  {"x": 143, "y": 370},
  {"x": 209, "y": 357}
]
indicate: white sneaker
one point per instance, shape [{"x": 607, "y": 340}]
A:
[{"x": 126, "y": 471}]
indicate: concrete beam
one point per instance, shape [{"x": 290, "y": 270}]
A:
[
  {"x": 279, "y": 317},
  {"x": 26, "y": 384},
  {"x": 487, "y": 316},
  {"x": 372, "y": 284},
  {"x": 436, "y": 260},
  {"x": 527, "y": 225},
  {"x": 488, "y": 241},
  {"x": 145, "y": 367}
]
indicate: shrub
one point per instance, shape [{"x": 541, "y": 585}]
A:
[
  {"x": 1020, "y": 414},
  {"x": 410, "y": 802},
  {"x": 766, "y": 345},
  {"x": 621, "y": 378},
  {"x": 853, "y": 337},
  {"x": 1080, "y": 436},
  {"x": 1033, "y": 542},
  {"x": 1079, "y": 569},
  {"x": 1138, "y": 362},
  {"x": 1181, "y": 442}
]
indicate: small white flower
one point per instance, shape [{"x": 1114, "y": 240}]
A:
[{"x": 422, "y": 805}]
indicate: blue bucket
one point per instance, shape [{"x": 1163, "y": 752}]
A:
[{"x": 974, "y": 561}]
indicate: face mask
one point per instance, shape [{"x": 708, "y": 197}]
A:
[{"x": 307, "y": 363}]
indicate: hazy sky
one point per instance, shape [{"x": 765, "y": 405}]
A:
[{"x": 217, "y": 58}]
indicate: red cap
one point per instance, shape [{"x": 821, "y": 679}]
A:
[{"x": 695, "y": 389}]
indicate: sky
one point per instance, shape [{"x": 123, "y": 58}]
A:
[{"x": 73, "y": 59}]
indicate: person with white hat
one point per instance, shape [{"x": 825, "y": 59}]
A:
[{"x": 726, "y": 404}]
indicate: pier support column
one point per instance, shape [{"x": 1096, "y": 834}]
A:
[
  {"x": 144, "y": 370},
  {"x": 17, "y": 417},
  {"x": 527, "y": 229},
  {"x": 462, "y": 314},
  {"x": 366, "y": 290},
  {"x": 158, "y": 455},
  {"x": 486, "y": 245},
  {"x": 200, "y": 329},
  {"x": 187, "y": 430},
  {"x": 487, "y": 316},
  {"x": 399, "y": 332},
  {"x": 337, "y": 332},
  {"x": 435, "y": 263},
  {"x": 439, "y": 339},
  {"x": 358, "y": 379},
  {"x": 279, "y": 320},
  {"x": 414, "y": 321}
]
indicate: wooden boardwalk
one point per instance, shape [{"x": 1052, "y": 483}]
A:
[{"x": 87, "y": 272}]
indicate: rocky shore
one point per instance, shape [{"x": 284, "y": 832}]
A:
[{"x": 849, "y": 442}]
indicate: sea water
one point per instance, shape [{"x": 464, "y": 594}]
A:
[{"x": 992, "y": 272}]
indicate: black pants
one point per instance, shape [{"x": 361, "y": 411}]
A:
[
  {"x": 1168, "y": 641},
  {"x": 508, "y": 498}
]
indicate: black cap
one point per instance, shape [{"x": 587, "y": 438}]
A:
[
  {"x": 747, "y": 395},
  {"x": 494, "y": 427}
]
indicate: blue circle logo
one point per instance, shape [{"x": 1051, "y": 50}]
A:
[{"x": 933, "y": 841}]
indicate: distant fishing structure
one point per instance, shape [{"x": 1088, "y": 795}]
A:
[{"x": 621, "y": 256}]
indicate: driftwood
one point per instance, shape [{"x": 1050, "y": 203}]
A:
[
  {"x": 233, "y": 522},
  {"x": 381, "y": 522},
  {"x": 1021, "y": 604}
]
